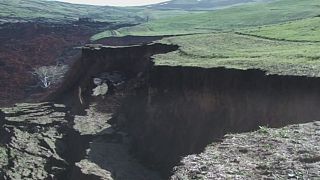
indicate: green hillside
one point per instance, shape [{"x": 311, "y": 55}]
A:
[
  {"x": 244, "y": 16},
  {"x": 59, "y": 11},
  {"x": 200, "y": 4},
  {"x": 243, "y": 52},
  {"x": 53, "y": 11},
  {"x": 300, "y": 30}
]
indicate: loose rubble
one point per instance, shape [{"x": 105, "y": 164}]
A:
[{"x": 292, "y": 152}]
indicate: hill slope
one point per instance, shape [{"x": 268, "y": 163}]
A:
[
  {"x": 300, "y": 30},
  {"x": 255, "y": 14},
  {"x": 236, "y": 51},
  {"x": 59, "y": 11},
  {"x": 200, "y": 4}
]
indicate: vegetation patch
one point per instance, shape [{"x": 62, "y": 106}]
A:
[
  {"x": 244, "y": 16},
  {"x": 59, "y": 11},
  {"x": 236, "y": 51},
  {"x": 300, "y": 30}
]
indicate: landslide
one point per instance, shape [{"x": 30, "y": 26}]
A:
[
  {"x": 171, "y": 112},
  {"x": 155, "y": 115}
]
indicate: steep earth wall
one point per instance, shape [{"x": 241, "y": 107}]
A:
[
  {"x": 182, "y": 109},
  {"x": 133, "y": 61},
  {"x": 128, "y": 40}
]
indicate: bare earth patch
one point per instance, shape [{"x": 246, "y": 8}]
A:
[{"x": 292, "y": 152}]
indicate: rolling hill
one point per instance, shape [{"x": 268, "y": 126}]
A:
[
  {"x": 238, "y": 51},
  {"x": 300, "y": 30},
  {"x": 59, "y": 11},
  {"x": 200, "y": 4},
  {"x": 229, "y": 19}
]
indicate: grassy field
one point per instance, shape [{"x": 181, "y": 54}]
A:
[
  {"x": 300, "y": 30},
  {"x": 58, "y": 11},
  {"x": 243, "y": 52},
  {"x": 234, "y": 18},
  {"x": 200, "y": 4}
]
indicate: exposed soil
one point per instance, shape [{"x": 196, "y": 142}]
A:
[
  {"x": 128, "y": 40},
  {"x": 170, "y": 112},
  {"x": 181, "y": 110},
  {"x": 133, "y": 61}
]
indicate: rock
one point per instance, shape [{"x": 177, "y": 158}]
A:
[
  {"x": 93, "y": 123},
  {"x": 31, "y": 144},
  {"x": 59, "y": 105},
  {"x": 42, "y": 113},
  {"x": 85, "y": 169},
  {"x": 101, "y": 90},
  {"x": 97, "y": 81}
]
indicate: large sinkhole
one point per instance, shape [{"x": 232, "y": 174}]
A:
[{"x": 170, "y": 112}]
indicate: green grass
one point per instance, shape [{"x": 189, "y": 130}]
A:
[
  {"x": 59, "y": 11},
  {"x": 234, "y": 18},
  {"x": 263, "y": 130},
  {"x": 243, "y": 52},
  {"x": 300, "y": 30},
  {"x": 200, "y": 4}
]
